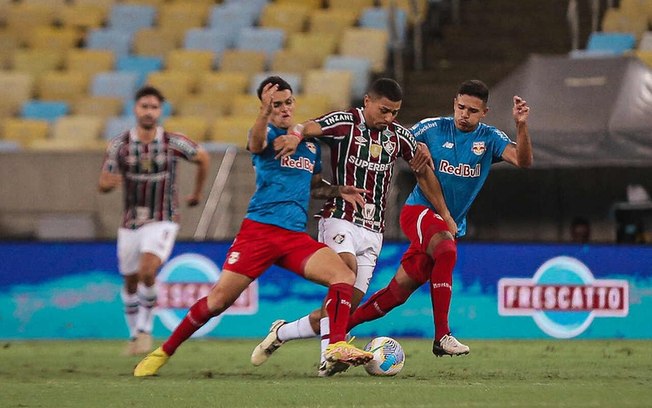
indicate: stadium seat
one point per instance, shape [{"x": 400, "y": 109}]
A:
[
  {"x": 229, "y": 20},
  {"x": 24, "y": 131},
  {"x": 368, "y": 43},
  {"x": 247, "y": 62},
  {"x": 195, "y": 127},
  {"x": 101, "y": 106},
  {"x": 291, "y": 78},
  {"x": 310, "y": 106},
  {"x": 116, "y": 125},
  {"x": 331, "y": 21},
  {"x": 318, "y": 44},
  {"x": 129, "y": 18},
  {"x": 311, "y": 4},
  {"x": 175, "y": 85},
  {"x": 114, "y": 84},
  {"x": 54, "y": 39},
  {"x": 297, "y": 62},
  {"x": 36, "y": 61},
  {"x": 89, "y": 62},
  {"x": 223, "y": 84},
  {"x": 359, "y": 67},
  {"x": 618, "y": 21},
  {"x": 139, "y": 64},
  {"x": 353, "y": 7},
  {"x": 232, "y": 130},
  {"x": 646, "y": 41},
  {"x": 379, "y": 18},
  {"x": 255, "y": 7},
  {"x": 74, "y": 132},
  {"x": 22, "y": 18},
  {"x": 193, "y": 62},
  {"x": 616, "y": 43},
  {"x": 65, "y": 86},
  {"x": 9, "y": 43},
  {"x": 245, "y": 105},
  {"x": 155, "y": 42},
  {"x": 201, "y": 39},
  {"x": 182, "y": 15},
  {"x": 17, "y": 87},
  {"x": 267, "y": 40},
  {"x": 117, "y": 41},
  {"x": 291, "y": 18},
  {"x": 207, "y": 106},
  {"x": 335, "y": 85},
  {"x": 44, "y": 110},
  {"x": 82, "y": 16},
  {"x": 645, "y": 56},
  {"x": 105, "y": 5}
]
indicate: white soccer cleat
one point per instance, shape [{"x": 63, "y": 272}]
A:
[
  {"x": 269, "y": 344},
  {"x": 449, "y": 346}
]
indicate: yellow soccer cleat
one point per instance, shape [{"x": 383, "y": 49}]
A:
[
  {"x": 344, "y": 352},
  {"x": 150, "y": 365}
]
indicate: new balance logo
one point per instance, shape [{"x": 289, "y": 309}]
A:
[{"x": 448, "y": 145}]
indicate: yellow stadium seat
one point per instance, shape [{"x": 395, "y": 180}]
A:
[
  {"x": 74, "y": 132},
  {"x": 195, "y": 127},
  {"x": 207, "y": 106},
  {"x": 310, "y": 106},
  {"x": 36, "y": 61},
  {"x": 68, "y": 145},
  {"x": 194, "y": 62},
  {"x": 51, "y": 38},
  {"x": 181, "y": 15},
  {"x": 248, "y": 62},
  {"x": 175, "y": 85},
  {"x": 65, "y": 86},
  {"x": 21, "y": 19},
  {"x": 232, "y": 130},
  {"x": 295, "y": 61},
  {"x": 155, "y": 42},
  {"x": 645, "y": 56},
  {"x": 4, "y": 5},
  {"x": 245, "y": 105},
  {"x": 311, "y": 4},
  {"x": 331, "y": 21},
  {"x": 17, "y": 87},
  {"x": 320, "y": 45},
  {"x": 52, "y": 4},
  {"x": 24, "y": 131},
  {"x": 368, "y": 43},
  {"x": 333, "y": 84},
  {"x": 290, "y": 17},
  {"x": 9, "y": 43},
  {"x": 156, "y": 3},
  {"x": 352, "y": 6},
  {"x": 223, "y": 84},
  {"x": 88, "y": 61},
  {"x": 105, "y": 5},
  {"x": 82, "y": 16},
  {"x": 101, "y": 106}
]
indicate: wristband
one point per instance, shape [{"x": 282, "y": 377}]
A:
[{"x": 296, "y": 131}]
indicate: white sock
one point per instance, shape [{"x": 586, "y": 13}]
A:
[
  {"x": 147, "y": 301},
  {"x": 130, "y": 302},
  {"x": 325, "y": 331},
  {"x": 298, "y": 329}
]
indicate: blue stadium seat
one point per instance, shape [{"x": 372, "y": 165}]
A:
[
  {"x": 116, "y": 84},
  {"x": 617, "y": 43},
  {"x": 118, "y": 124},
  {"x": 254, "y": 7},
  {"x": 44, "y": 110},
  {"x": 202, "y": 39},
  {"x": 267, "y": 40},
  {"x": 291, "y": 78},
  {"x": 229, "y": 20},
  {"x": 108, "y": 39},
  {"x": 359, "y": 67},
  {"x": 378, "y": 17},
  {"x": 131, "y": 17},
  {"x": 128, "y": 109},
  {"x": 139, "y": 64}
]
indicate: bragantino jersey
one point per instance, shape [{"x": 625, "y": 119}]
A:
[
  {"x": 462, "y": 162},
  {"x": 283, "y": 186},
  {"x": 149, "y": 171},
  {"x": 364, "y": 158}
]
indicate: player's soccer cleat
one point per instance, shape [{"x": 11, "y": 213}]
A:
[
  {"x": 269, "y": 345},
  {"x": 329, "y": 369},
  {"x": 344, "y": 352},
  {"x": 449, "y": 346},
  {"x": 143, "y": 343},
  {"x": 151, "y": 363}
]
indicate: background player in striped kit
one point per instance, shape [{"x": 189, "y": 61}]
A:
[
  {"x": 273, "y": 232},
  {"x": 365, "y": 144},
  {"x": 144, "y": 161},
  {"x": 463, "y": 149}
]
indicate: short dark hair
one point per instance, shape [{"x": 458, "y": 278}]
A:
[
  {"x": 475, "y": 87},
  {"x": 388, "y": 88},
  {"x": 149, "y": 90},
  {"x": 275, "y": 80}
]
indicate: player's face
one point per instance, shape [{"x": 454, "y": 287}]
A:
[
  {"x": 147, "y": 111},
  {"x": 380, "y": 112},
  {"x": 469, "y": 110},
  {"x": 282, "y": 109}
]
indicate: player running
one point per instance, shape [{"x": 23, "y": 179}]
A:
[
  {"x": 463, "y": 150},
  {"x": 273, "y": 232}
]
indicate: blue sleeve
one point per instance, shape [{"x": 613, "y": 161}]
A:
[
  {"x": 317, "y": 169},
  {"x": 498, "y": 144}
]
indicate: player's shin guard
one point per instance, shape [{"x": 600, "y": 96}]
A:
[
  {"x": 130, "y": 302},
  {"x": 338, "y": 307},
  {"x": 146, "y": 301},
  {"x": 197, "y": 316},
  {"x": 379, "y": 304},
  {"x": 441, "y": 285},
  {"x": 298, "y": 329}
]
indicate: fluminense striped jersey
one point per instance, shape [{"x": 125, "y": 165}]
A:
[
  {"x": 149, "y": 171},
  {"x": 365, "y": 158}
]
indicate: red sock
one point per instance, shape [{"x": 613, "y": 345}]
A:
[
  {"x": 197, "y": 316},
  {"x": 338, "y": 307},
  {"x": 441, "y": 285},
  {"x": 379, "y": 304}
]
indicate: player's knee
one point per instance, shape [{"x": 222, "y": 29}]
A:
[
  {"x": 445, "y": 247},
  {"x": 218, "y": 301},
  {"x": 342, "y": 274}
]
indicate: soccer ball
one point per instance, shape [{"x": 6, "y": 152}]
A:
[{"x": 388, "y": 357}]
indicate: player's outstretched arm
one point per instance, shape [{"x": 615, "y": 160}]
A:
[
  {"x": 432, "y": 190},
  {"x": 286, "y": 145},
  {"x": 203, "y": 162},
  {"x": 520, "y": 155}
]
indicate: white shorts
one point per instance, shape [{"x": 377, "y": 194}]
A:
[
  {"x": 155, "y": 238},
  {"x": 345, "y": 236}
]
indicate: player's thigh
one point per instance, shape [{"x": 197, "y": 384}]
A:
[
  {"x": 369, "y": 250},
  {"x": 158, "y": 239},
  {"x": 421, "y": 225},
  {"x": 253, "y": 249},
  {"x": 226, "y": 290},
  {"x": 128, "y": 249},
  {"x": 326, "y": 267},
  {"x": 417, "y": 265}
]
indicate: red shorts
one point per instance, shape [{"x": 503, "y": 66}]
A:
[
  {"x": 419, "y": 223},
  {"x": 258, "y": 246}
]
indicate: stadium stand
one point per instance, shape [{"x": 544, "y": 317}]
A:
[
  {"x": 89, "y": 61},
  {"x": 335, "y": 85},
  {"x": 196, "y": 127},
  {"x": 36, "y": 61},
  {"x": 244, "y": 61},
  {"x": 142, "y": 65},
  {"x": 130, "y": 18},
  {"x": 155, "y": 42},
  {"x": 267, "y": 40},
  {"x": 175, "y": 85},
  {"x": 616, "y": 43},
  {"x": 101, "y": 106},
  {"x": 360, "y": 68},
  {"x": 369, "y": 43},
  {"x": 67, "y": 86},
  {"x": 24, "y": 131},
  {"x": 116, "y": 125},
  {"x": 117, "y": 41},
  {"x": 231, "y": 129},
  {"x": 115, "y": 84},
  {"x": 291, "y": 18},
  {"x": 44, "y": 110}
]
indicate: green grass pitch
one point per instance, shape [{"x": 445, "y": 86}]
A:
[{"x": 217, "y": 373}]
